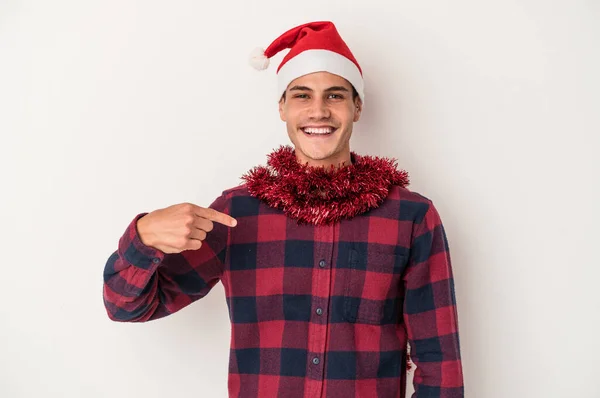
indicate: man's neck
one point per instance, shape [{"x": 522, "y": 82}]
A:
[{"x": 336, "y": 160}]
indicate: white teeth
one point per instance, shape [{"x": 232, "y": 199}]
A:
[{"x": 326, "y": 130}]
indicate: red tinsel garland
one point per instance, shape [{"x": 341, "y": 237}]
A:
[{"x": 318, "y": 195}]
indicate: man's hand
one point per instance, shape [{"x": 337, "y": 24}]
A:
[{"x": 179, "y": 227}]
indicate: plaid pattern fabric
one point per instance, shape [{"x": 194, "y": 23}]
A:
[{"x": 316, "y": 311}]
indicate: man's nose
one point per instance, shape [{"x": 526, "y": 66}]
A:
[{"x": 319, "y": 109}]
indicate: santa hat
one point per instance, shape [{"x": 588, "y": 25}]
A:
[{"x": 314, "y": 47}]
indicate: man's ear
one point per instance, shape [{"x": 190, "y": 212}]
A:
[
  {"x": 281, "y": 105},
  {"x": 357, "y": 109}
]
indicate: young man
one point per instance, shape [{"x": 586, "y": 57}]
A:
[{"x": 330, "y": 265}]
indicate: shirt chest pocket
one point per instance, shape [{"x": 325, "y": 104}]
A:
[{"x": 372, "y": 286}]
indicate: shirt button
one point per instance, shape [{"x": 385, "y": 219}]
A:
[
  {"x": 315, "y": 361},
  {"x": 322, "y": 263},
  {"x": 156, "y": 260},
  {"x": 319, "y": 311}
]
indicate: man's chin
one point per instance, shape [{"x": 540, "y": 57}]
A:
[{"x": 315, "y": 153}]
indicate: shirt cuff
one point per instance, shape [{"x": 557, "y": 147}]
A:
[{"x": 135, "y": 252}]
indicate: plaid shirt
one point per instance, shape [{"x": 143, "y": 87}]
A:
[{"x": 316, "y": 311}]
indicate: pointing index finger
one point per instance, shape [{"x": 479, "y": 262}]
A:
[{"x": 219, "y": 217}]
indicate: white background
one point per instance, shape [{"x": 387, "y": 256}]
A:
[{"x": 111, "y": 108}]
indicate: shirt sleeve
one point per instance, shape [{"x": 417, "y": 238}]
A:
[
  {"x": 142, "y": 283},
  {"x": 430, "y": 313}
]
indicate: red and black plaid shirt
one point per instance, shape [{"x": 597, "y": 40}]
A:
[{"x": 316, "y": 311}]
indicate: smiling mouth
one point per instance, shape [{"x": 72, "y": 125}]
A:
[{"x": 318, "y": 131}]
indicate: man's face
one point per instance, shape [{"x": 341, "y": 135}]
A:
[{"x": 319, "y": 112}]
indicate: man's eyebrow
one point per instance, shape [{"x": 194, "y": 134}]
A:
[
  {"x": 300, "y": 88},
  {"x": 333, "y": 88},
  {"x": 337, "y": 88}
]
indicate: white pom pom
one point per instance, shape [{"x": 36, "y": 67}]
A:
[{"x": 258, "y": 59}]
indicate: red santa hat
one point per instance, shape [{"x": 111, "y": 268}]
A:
[{"x": 314, "y": 47}]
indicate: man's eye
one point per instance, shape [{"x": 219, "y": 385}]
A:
[
  {"x": 335, "y": 96},
  {"x": 301, "y": 96}
]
